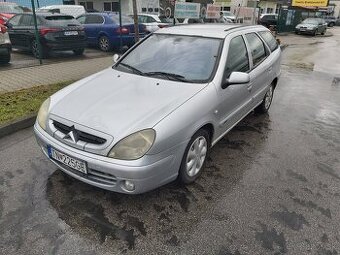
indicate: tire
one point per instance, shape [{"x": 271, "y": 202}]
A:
[
  {"x": 331, "y": 24},
  {"x": 266, "y": 102},
  {"x": 78, "y": 52},
  {"x": 35, "y": 50},
  {"x": 6, "y": 58},
  {"x": 323, "y": 33},
  {"x": 315, "y": 32},
  {"x": 104, "y": 44},
  {"x": 194, "y": 156}
]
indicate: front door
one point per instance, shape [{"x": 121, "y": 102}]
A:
[{"x": 235, "y": 100}]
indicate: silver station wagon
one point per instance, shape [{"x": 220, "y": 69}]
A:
[{"x": 153, "y": 117}]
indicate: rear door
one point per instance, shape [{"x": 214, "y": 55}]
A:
[
  {"x": 260, "y": 67},
  {"x": 93, "y": 25},
  {"x": 14, "y": 29},
  {"x": 235, "y": 100},
  {"x": 25, "y": 31}
]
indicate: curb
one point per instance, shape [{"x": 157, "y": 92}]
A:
[{"x": 17, "y": 125}]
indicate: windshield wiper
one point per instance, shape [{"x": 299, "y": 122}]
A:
[
  {"x": 172, "y": 76},
  {"x": 135, "y": 70}
]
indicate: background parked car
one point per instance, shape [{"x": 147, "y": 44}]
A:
[
  {"x": 56, "y": 31},
  {"x": 5, "y": 45},
  {"x": 330, "y": 20},
  {"x": 311, "y": 26},
  {"x": 151, "y": 22},
  {"x": 103, "y": 29},
  {"x": 229, "y": 16},
  {"x": 73, "y": 10},
  {"x": 268, "y": 20},
  {"x": 8, "y": 10}
]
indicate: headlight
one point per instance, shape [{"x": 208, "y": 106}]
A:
[
  {"x": 133, "y": 146},
  {"x": 43, "y": 112}
]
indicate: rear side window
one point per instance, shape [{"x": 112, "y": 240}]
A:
[
  {"x": 237, "y": 60},
  {"x": 26, "y": 20},
  {"x": 257, "y": 48},
  {"x": 269, "y": 39},
  {"x": 94, "y": 19}
]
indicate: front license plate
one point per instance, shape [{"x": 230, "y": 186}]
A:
[
  {"x": 71, "y": 33},
  {"x": 67, "y": 160}
]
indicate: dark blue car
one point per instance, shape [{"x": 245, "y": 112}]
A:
[{"x": 103, "y": 29}]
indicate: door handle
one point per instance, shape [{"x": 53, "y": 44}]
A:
[{"x": 269, "y": 69}]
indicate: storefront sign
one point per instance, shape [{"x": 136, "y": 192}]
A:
[
  {"x": 187, "y": 10},
  {"x": 310, "y": 3}
]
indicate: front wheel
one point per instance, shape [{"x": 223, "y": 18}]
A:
[
  {"x": 266, "y": 102},
  {"x": 78, "y": 52},
  {"x": 5, "y": 59},
  {"x": 195, "y": 156},
  {"x": 35, "y": 50}
]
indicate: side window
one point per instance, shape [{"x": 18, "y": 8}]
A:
[
  {"x": 237, "y": 60},
  {"x": 257, "y": 48},
  {"x": 15, "y": 20},
  {"x": 81, "y": 19},
  {"x": 94, "y": 19},
  {"x": 26, "y": 20},
  {"x": 269, "y": 39},
  {"x": 150, "y": 20}
]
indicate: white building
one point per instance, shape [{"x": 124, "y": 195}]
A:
[{"x": 150, "y": 6}]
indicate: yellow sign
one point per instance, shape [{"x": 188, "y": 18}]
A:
[{"x": 310, "y": 3}]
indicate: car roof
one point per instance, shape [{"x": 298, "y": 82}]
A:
[
  {"x": 8, "y": 3},
  {"x": 207, "y": 30},
  {"x": 147, "y": 14}
]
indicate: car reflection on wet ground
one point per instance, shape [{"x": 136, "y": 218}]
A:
[{"x": 271, "y": 186}]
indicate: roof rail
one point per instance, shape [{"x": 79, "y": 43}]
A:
[{"x": 240, "y": 26}]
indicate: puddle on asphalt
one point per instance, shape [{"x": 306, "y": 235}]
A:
[{"x": 167, "y": 214}]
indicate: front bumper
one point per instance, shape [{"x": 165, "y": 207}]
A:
[
  {"x": 110, "y": 174},
  {"x": 305, "y": 31}
]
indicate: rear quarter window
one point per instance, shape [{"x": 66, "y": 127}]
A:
[{"x": 269, "y": 39}]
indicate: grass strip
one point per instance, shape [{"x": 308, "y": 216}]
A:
[{"x": 18, "y": 104}]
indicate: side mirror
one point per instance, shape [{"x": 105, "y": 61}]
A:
[
  {"x": 236, "y": 78},
  {"x": 116, "y": 58}
]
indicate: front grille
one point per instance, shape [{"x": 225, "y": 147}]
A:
[{"x": 82, "y": 136}]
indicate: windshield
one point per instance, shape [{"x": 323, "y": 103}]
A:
[
  {"x": 187, "y": 57},
  {"x": 62, "y": 20},
  {"x": 10, "y": 8},
  {"x": 164, "y": 19},
  {"x": 310, "y": 21},
  {"x": 227, "y": 14}
]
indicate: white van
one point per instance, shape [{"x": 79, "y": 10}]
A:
[{"x": 74, "y": 10}]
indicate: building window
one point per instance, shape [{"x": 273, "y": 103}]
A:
[
  {"x": 270, "y": 10},
  {"x": 87, "y": 5},
  {"x": 111, "y": 6}
]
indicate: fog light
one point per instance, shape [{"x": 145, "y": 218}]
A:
[{"x": 129, "y": 185}]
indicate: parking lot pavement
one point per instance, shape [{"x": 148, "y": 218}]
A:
[
  {"x": 27, "y": 77},
  {"x": 20, "y": 59},
  {"x": 271, "y": 186}
]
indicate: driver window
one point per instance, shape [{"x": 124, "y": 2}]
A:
[{"x": 237, "y": 60}]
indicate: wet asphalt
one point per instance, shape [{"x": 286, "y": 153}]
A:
[{"x": 271, "y": 186}]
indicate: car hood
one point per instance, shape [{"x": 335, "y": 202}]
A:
[
  {"x": 308, "y": 25},
  {"x": 119, "y": 103}
]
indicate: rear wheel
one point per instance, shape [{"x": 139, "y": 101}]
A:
[
  {"x": 104, "y": 43},
  {"x": 266, "y": 102},
  {"x": 78, "y": 52},
  {"x": 331, "y": 24},
  {"x": 6, "y": 58},
  {"x": 35, "y": 50},
  {"x": 194, "y": 157}
]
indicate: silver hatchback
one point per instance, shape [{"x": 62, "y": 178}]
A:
[{"x": 153, "y": 117}]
